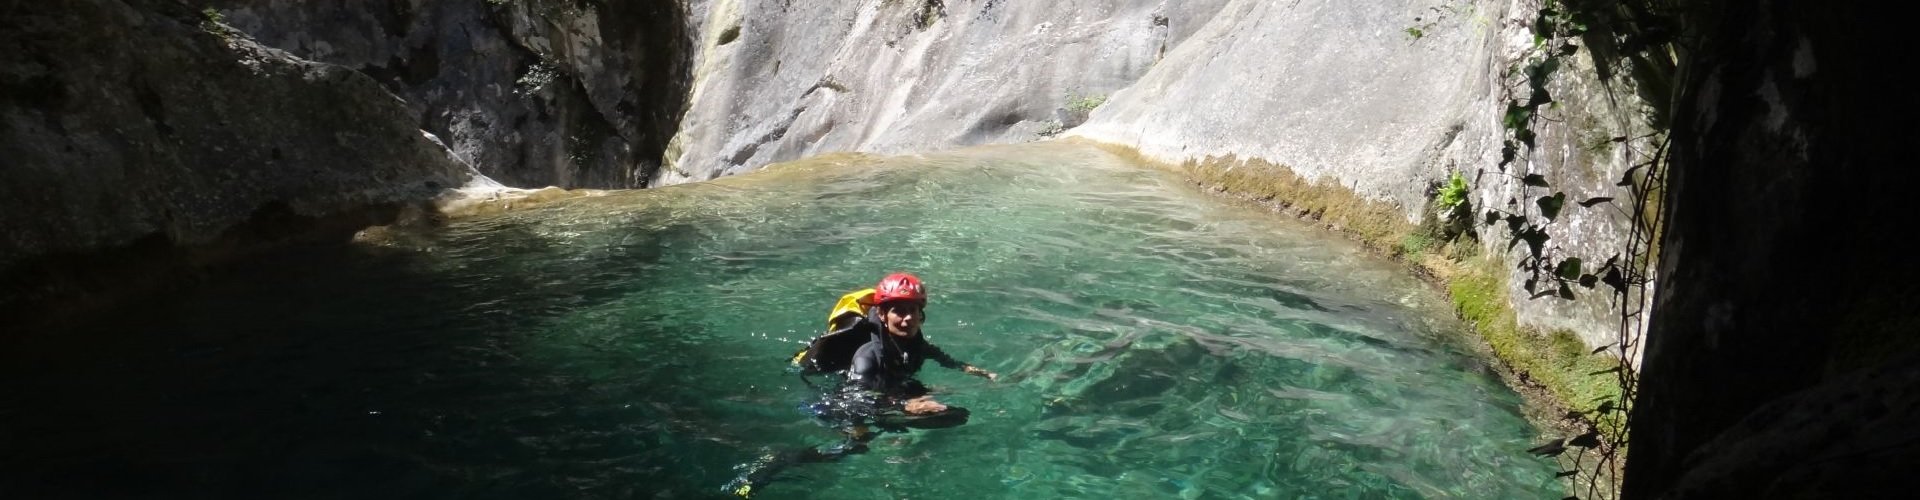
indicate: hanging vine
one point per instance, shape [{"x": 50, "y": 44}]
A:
[{"x": 1630, "y": 37}]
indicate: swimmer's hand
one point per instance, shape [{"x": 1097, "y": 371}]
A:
[{"x": 924, "y": 405}]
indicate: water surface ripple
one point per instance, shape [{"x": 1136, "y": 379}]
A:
[{"x": 1153, "y": 342}]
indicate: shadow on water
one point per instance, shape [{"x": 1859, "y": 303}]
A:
[{"x": 353, "y": 371}]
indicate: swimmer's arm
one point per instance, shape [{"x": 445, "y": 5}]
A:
[
  {"x": 947, "y": 361},
  {"x": 863, "y": 373}
]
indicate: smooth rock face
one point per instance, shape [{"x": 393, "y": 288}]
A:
[
  {"x": 533, "y": 93},
  {"x": 1348, "y": 91},
  {"x": 1326, "y": 88},
  {"x": 776, "y": 80},
  {"x": 1334, "y": 90},
  {"x": 123, "y": 120}
]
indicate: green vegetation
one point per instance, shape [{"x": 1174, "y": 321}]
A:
[
  {"x": 1556, "y": 367},
  {"x": 1427, "y": 22},
  {"x": 1084, "y": 103},
  {"x": 211, "y": 21},
  {"x": 1557, "y": 361},
  {"x": 1637, "y": 39},
  {"x": 1453, "y": 196},
  {"x": 1052, "y": 128}
]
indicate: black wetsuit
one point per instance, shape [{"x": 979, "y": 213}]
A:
[
  {"x": 881, "y": 374},
  {"x": 887, "y": 364}
]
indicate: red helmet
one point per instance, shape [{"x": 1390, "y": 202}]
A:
[{"x": 899, "y": 286}]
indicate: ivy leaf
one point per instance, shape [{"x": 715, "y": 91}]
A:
[
  {"x": 1507, "y": 153},
  {"x": 1526, "y": 137},
  {"x": 1568, "y": 49},
  {"x": 1588, "y": 440},
  {"x": 1514, "y": 222},
  {"x": 1565, "y": 292},
  {"x": 1535, "y": 180},
  {"x": 1492, "y": 217},
  {"x": 1539, "y": 97},
  {"x": 1543, "y": 24},
  {"x": 1537, "y": 73},
  {"x": 1626, "y": 179},
  {"x": 1605, "y": 408},
  {"x": 1531, "y": 284},
  {"x": 1615, "y": 280},
  {"x": 1550, "y": 205},
  {"x": 1588, "y": 280},
  {"x": 1566, "y": 473},
  {"x": 1590, "y": 202},
  {"x": 1568, "y": 269},
  {"x": 1517, "y": 116},
  {"x": 1535, "y": 239},
  {"x": 1581, "y": 19},
  {"x": 1552, "y": 448},
  {"x": 1597, "y": 350}
]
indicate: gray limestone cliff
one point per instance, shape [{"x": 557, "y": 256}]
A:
[
  {"x": 533, "y": 93},
  {"x": 1385, "y": 98},
  {"x": 775, "y": 80},
  {"x": 143, "y": 127}
]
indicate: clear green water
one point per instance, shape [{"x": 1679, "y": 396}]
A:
[{"x": 1153, "y": 342}]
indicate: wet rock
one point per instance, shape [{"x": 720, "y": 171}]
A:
[
  {"x": 533, "y": 93},
  {"x": 148, "y": 125}
]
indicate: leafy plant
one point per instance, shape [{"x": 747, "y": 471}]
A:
[
  {"x": 1454, "y": 194},
  {"x": 1084, "y": 103},
  {"x": 1052, "y": 128},
  {"x": 212, "y": 21},
  {"x": 1631, "y": 37}
]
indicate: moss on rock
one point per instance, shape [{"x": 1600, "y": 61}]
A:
[{"x": 1556, "y": 370}]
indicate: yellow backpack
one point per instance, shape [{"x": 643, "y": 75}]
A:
[{"x": 833, "y": 351}]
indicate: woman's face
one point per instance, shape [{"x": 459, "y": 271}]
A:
[{"x": 903, "y": 318}]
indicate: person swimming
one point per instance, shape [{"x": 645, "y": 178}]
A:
[{"x": 879, "y": 387}]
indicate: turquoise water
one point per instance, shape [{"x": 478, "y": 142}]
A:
[{"x": 1152, "y": 342}]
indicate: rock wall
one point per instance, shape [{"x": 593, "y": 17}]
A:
[
  {"x": 1385, "y": 98},
  {"x": 568, "y": 93},
  {"x": 125, "y": 121},
  {"x": 1783, "y": 361},
  {"x": 778, "y": 80}
]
